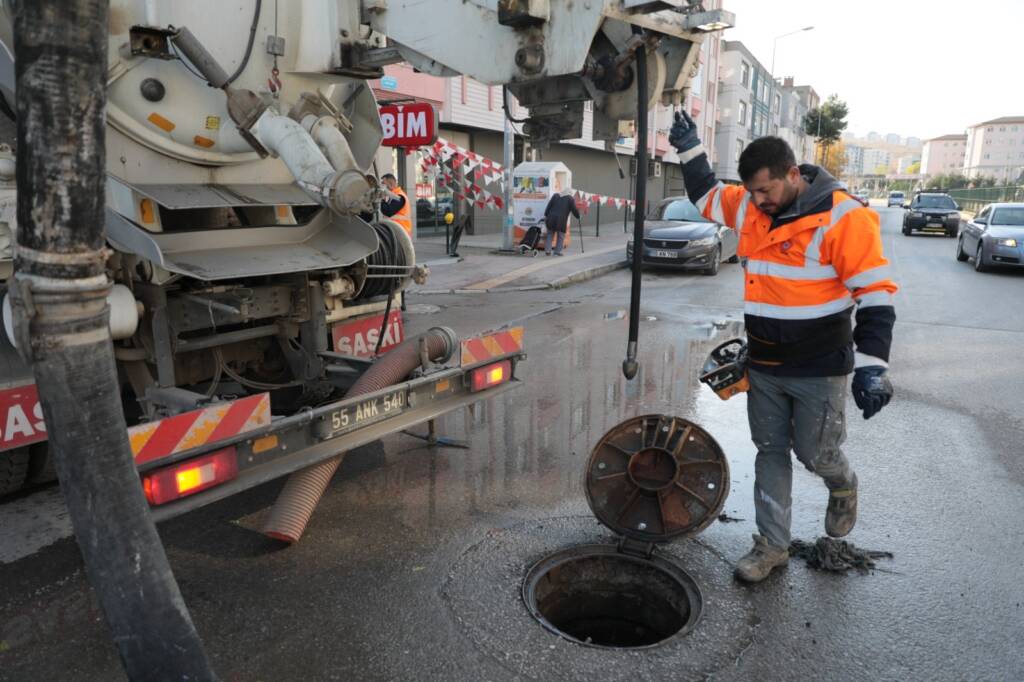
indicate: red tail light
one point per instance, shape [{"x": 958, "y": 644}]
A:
[
  {"x": 491, "y": 375},
  {"x": 188, "y": 478}
]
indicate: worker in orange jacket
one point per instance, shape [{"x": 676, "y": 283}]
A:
[
  {"x": 396, "y": 204},
  {"x": 812, "y": 259}
]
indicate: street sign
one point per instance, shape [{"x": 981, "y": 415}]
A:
[
  {"x": 389, "y": 83},
  {"x": 408, "y": 125}
]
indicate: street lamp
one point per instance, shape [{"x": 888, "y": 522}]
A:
[{"x": 771, "y": 72}]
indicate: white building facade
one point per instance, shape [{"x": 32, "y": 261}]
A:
[
  {"x": 995, "y": 148},
  {"x": 943, "y": 155}
]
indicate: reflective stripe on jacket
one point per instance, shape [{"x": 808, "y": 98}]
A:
[
  {"x": 817, "y": 265},
  {"x": 404, "y": 215},
  {"x": 808, "y": 269}
]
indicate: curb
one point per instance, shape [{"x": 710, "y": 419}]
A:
[
  {"x": 560, "y": 283},
  {"x": 589, "y": 273}
]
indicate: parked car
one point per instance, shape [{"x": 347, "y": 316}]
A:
[
  {"x": 993, "y": 237},
  {"x": 862, "y": 195},
  {"x": 933, "y": 212},
  {"x": 896, "y": 199},
  {"x": 678, "y": 236}
]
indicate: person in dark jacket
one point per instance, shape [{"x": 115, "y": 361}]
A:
[
  {"x": 813, "y": 263},
  {"x": 556, "y": 219}
]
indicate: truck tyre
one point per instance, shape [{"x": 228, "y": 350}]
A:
[
  {"x": 41, "y": 468},
  {"x": 13, "y": 470}
]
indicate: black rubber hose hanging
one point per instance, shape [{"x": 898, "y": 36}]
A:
[{"x": 630, "y": 365}]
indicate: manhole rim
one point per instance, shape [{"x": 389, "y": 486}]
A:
[{"x": 567, "y": 554}]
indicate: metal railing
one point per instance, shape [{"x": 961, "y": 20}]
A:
[{"x": 974, "y": 200}]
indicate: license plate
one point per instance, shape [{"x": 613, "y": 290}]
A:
[
  {"x": 665, "y": 254},
  {"x": 934, "y": 225},
  {"x": 363, "y": 413}
]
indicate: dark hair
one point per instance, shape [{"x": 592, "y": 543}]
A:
[
  {"x": 766, "y": 152},
  {"x": 389, "y": 176}
]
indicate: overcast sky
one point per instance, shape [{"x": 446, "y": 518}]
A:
[{"x": 912, "y": 67}]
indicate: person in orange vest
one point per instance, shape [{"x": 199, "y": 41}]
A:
[
  {"x": 396, "y": 205},
  {"x": 813, "y": 262}
]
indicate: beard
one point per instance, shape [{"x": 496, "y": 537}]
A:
[{"x": 789, "y": 194}]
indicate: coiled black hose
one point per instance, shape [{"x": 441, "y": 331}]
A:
[{"x": 382, "y": 262}]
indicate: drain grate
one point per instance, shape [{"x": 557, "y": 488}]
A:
[{"x": 596, "y": 596}]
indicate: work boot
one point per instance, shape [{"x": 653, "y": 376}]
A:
[
  {"x": 759, "y": 561},
  {"x": 842, "y": 510}
]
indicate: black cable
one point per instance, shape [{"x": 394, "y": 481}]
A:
[
  {"x": 630, "y": 364},
  {"x": 248, "y": 47},
  {"x": 504, "y": 106},
  {"x": 384, "y": 322},
  {"x": 389, "y": 253}
]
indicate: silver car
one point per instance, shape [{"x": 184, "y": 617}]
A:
[
  {"x": 993, "y": 237},
  {"x": 678, "y": 236}
]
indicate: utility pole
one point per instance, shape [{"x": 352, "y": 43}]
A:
[
  {"x": 508, "y": 159},
  {"x": 59, "y": 294}
]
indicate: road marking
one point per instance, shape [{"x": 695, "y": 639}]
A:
[{"x": 533, "y": 267}]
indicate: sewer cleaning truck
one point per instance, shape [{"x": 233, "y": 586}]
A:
[{"x": 243, "y": 226}]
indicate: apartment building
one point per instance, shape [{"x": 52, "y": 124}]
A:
[
  {"x": 876, "y": 162},
  {"x": 854, "y": 160},
  {"x": 995, "y": 148},
  {"x": 943, "y": 155},
  {"x": 745, "y": 107},
  {"x": 794, "y": 103}
]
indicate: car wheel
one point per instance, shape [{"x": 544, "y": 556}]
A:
[
  {"x": 906, "y": 230},
  {"x": 961, "y": 255},
  {"x": 979, "y": 260},
  {"x": 716, "y": 259},
  {"x": 735, "y": 259}
]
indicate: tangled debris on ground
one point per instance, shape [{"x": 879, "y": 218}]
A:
[
  {"x": 725, "y": 518},
  {"x": 829, "y": 554}
]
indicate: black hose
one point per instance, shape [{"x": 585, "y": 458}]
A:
[
  {"x": 389, "y": 253},
  {"x": 248, "y": 48},
  {"x": 630, "y": 364},
  {"x": 60, "y": 49}
]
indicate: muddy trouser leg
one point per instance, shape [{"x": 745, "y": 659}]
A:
[
  {"x": 819, "y": 428},
  {"x": 770, "y": 413}
]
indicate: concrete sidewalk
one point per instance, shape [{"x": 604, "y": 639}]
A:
[{"x": 481, "y": 267}]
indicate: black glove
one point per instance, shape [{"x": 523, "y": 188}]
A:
[
  {"x": 683, "y": 135},
  {"x": 872, "y": 389}
]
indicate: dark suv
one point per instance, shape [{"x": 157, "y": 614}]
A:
[{"x": 934, "y": 212}]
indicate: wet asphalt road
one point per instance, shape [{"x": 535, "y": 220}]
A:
[{"x": 412, "y": 565}]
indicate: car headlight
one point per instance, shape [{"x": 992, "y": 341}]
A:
[
  {"x": 954, "y": 217},
  {"x": 706, "y": 241},
  {"x": 916, "y": 214},
  {"x": 1007, "y": 242}
]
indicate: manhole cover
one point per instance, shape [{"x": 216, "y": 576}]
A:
[{"x": 596, "y": 596}]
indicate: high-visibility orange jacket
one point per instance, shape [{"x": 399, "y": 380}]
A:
[
  {"x": 403, "y": 216},
  {"x": 805, "y": 272}
]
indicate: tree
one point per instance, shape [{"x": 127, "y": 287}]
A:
[
  {"x": 827, "y": 122},
  {"x": 914, "y": 168},
  {"x": 834, "y": 159}
]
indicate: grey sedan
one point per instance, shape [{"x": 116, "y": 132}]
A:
[
  {"x": 678, "y": 236},
  {"x": 994, "y": 237}
]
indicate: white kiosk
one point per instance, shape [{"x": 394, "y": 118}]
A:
[{"x": 533, "y": 183}]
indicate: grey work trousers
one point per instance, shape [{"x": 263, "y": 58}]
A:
[{"x": 802, "y": 414}]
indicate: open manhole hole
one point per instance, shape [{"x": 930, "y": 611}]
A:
[
  {"x": 650, "y": 479},
  {"x": 600, "y": 597}
]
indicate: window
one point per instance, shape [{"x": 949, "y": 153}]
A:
[
  {"x": 739, "y": 150},
  {"x": 682, "y": 209},
  {"x": 745, "y": 74},
  {"x": 778, "y": 102},
  {"x": 987, "y": 155},
  {"x": 989, "y": 129},
  {"x": 743, "y": 113}
]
